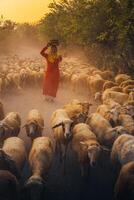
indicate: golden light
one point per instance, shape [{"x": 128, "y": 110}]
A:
[{"x": 24, "y": 10}]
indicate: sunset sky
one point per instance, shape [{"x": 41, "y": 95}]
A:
[{"x": 24, "y": 10}]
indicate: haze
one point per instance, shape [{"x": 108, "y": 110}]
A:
[{"x": 24, "y": 10}]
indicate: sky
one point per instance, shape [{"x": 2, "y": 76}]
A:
[{"x": 24, "y": 10}]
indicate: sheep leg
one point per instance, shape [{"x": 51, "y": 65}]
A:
[
  {"x": 64, "y": 159},
  {"x": 56, "y": 147},
  {"x": 82, "y": 169},
  {"x": 60, "y": 151}
]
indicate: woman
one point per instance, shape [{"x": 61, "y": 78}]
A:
[{"x": 52, "y": 75}]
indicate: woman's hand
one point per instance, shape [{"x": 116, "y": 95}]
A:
[{"x": 48, "y": 44}]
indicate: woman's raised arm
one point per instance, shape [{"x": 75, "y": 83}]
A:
[{"x": 43, "y": 51}]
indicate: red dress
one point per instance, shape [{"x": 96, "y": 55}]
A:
[{"x": 52, "y": 76}]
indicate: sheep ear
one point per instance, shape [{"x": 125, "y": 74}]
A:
[
  {"x": 57, "y": 125},
  {"x": 82, "y": 144}
]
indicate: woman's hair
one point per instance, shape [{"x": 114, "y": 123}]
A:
[{"x": 54, "y": 48}]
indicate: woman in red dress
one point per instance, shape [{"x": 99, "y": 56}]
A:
[{"x": 52, "y": 75}]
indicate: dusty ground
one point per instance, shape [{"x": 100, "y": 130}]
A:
[
  {"x": 32, "y": 98},
  {"x": 71, "y": 186}
]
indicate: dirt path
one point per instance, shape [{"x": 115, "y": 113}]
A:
[{"x": 31, "y": 98}]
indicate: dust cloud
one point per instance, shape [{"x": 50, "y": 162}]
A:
[{"x": 32, "y": 98}]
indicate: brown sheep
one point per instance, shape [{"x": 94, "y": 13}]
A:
[
  {"x": 129, "y": 103},
  {"x": 96, "y": 83},
  {"x": 111, "y": 103},
  {"x": 111, "y": 115},
  {"x": 16, "y": 80},
  {"x": 14, "y": 150},
  {"x": 121, "y": 78},
  {"x": 128, "y": 122},
  {"x": 34, "y": 125},
  {"x": 77, "y": 111},
  {"x": 126, "y": 83},
  {"x": 124, "y": 186},
  {"x": 10, "y": 126},
  {"x": 122, "y": 150},
  {"x": 98, "y": 96},
  {"x": 131, "y": 96},
  {"x": 40, "y": 160},
  {"x": 108, "y": 84},
  {"x": 116, "y": 89},
  {"x": 104, "y": 132},
  {"x": 128, "y": 89},
  {"x": 127, "y": 109},
  {"x": 85, "y": 145},
  {"x": 9, "y": 186},
  {"x": 119, "y": 97},
  {"x": 107, "y": 74},
  {"x": 62, "y": 129}
]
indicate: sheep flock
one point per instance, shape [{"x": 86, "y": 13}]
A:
[{"x": 91, "y": 134}]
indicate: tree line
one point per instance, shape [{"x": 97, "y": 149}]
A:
[{"x": 105, "y": 29}]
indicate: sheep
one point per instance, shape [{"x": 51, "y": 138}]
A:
[
  {"x": 107, "y": 74},
  {"x": 131, "y": 96},
  {"x": 78, "y": 81},
  {"x": 124, "y": 186},
  {"x": 77, "y": 111},
  {"x": 34, "y": 77},
  {"x": 10, "y": 126},
  {"x": 14, "y": 150},
  {"x": 16, "y": 80},
  {"x": 111, "y": 115},
  {"x": 9, "y": 186},
  {"x": 108, "y": 84},
  {"x": 126, "y": 83},
  {"x": 128, "y": 122},
  {"x": 85, "y": 145},
  {"x": 1, "y": 111},
  {"x": 127, "y": 109},
  {"x": 40, "y": 161},
  {"x": 96, "y": 72},
  {"x": 62, "y": 129},
  {"x": 106, "y": 135},
  {"x": 128, "y": 89},
  {"x": 34, "y": 125},
  {"x": 23, "y": 76},
  {"x": 130, "y": 103},
  {"x": 119, "y": 97},
  {"x": 111, "y": 103},
  {"x": 122, "y": 151},
  {"x": 96, "y": 83},
  {"x": 116, "y": 89},
  {"x": 121, "y": 78}
]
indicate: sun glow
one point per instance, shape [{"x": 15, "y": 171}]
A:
[{"x": 24, "y": 10}]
